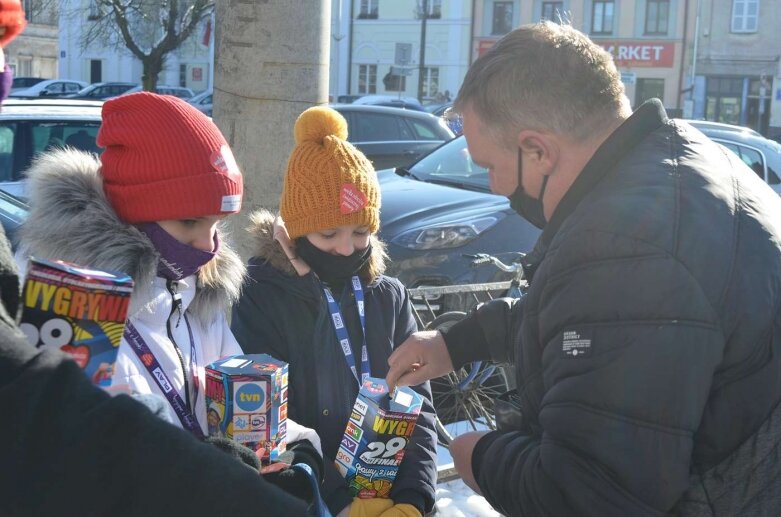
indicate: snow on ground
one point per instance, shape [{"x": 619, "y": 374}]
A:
[{"x": 455, "y": 499}]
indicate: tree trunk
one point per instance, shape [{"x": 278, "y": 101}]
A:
[{"x": 153, "y": 65}]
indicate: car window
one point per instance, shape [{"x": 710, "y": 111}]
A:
[
  {"x": 207, "y": 100},
  {"x": 423, "y": 131},
  {"x": 71, "y": 87},
  {"x": 451, "y": 163},
  {"x": 753, "y": 159},
  {"x": 51, "y": 135},
  {"x": 7, "y": 151},
  {"x": 54, "y": 88},
  {"x": 376, "y": 127}
]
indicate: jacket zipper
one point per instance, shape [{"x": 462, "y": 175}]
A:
[{"x": 176, "y": 305}]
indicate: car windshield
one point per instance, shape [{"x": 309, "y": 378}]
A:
[{"x": 451, "y": 164}]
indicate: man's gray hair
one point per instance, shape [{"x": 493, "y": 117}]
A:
[{"x": 547, "y": 77}]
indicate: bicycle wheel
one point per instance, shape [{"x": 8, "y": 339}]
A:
[{"x": 464, "y": 399}]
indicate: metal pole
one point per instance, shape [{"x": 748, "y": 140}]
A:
[
  {"x": 694, "y": 50},
  {"x": 422, "y": 59}
]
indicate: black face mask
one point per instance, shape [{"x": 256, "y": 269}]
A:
[
  {"x": 526, "y": 206},
  {"x": 332, "y": 268}
]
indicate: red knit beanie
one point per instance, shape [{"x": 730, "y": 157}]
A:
[
  {"x": 12, "y": 18},
  {"x": 164, "y": 159}
]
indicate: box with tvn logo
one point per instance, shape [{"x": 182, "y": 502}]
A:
[
  {"x": 77, "y": 310},
  {"x": 377, "y": 434},
  {"x": 246, "y": 401}
]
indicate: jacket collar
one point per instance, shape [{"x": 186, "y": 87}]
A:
[
  {"x": 647, "y": 118},
  {"x": 71, "y": 219},
  {"x": 268, "y": 251}
]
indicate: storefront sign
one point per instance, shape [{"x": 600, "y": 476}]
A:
[{"x": 641, "y": 53}]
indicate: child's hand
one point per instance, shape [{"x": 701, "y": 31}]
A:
[{"x": 281, "y": 236}]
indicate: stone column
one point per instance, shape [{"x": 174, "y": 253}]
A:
[{"x": 271, "y": 63}]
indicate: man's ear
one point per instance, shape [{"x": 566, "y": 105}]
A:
[{"x": 540, "y": 149}]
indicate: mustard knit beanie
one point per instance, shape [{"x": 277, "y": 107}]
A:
[{"x": 328, "y": 183}]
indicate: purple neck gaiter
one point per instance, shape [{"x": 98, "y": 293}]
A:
[
  {"x": 6, "y": 81},
  {"x": 177, "y": 260}
]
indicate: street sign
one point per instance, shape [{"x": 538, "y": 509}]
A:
[
  {"x": 400, "y": 70},
  {"x": 403, "y": 54}
]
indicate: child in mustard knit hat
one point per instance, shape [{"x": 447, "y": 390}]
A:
[{"x": 330, "y": 207}]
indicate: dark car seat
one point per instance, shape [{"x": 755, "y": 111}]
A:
[{"x": 82, "y": 140}]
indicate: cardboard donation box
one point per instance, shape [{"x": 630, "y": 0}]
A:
[
  {"x": 246, "y": 401},
  {"x": 376, "y": 437},
  {"x": 78, "y": 310}
]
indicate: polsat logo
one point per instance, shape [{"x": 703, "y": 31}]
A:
[{"x": 249, "y": 397}]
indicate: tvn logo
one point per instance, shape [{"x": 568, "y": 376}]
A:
[{"x": 160, "y": 376}]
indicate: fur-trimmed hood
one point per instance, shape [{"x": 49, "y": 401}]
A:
[
  {"x": 265, "y": 248},
  {"x": 71, "y": 220}
]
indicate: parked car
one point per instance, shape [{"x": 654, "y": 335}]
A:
[
  {"x": 101, "y": 91},
  {"x": 390, "y": 101},
  {"x": 761, "y": 154},
  {"x": 19, "y": 83},
  {"x": 29, "y": 127},
  {"x": 392, "y": 137},
  {"x": 203, "y": 101},
  {"x": 176, "y": 91},
  {"x": 441, "y": 208},
  {"x": 50, "y": 88}
]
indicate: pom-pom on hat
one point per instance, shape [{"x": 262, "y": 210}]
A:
[
  {"x": 328, "y": 183},
  {"x": 12, "y": 18},
  {"x": 164, "y": 159}
]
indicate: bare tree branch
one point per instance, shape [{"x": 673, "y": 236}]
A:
[{"x": 149, "y": 29}]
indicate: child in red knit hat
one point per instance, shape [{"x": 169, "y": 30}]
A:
[{"x": 150, "y": 206}]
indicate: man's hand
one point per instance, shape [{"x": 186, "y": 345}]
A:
[
  {"x": 421, "y": 357},
  {"x": 461, "y": 450}
]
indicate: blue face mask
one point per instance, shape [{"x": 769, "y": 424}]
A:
[
  {"x": 526, "y": 206},
  {"x": 177, "y": 260}
]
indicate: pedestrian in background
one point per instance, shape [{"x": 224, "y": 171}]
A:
[{"x": 648, "y": 349}]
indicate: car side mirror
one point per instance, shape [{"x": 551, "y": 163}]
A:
[{"x": 44, "y": 93}]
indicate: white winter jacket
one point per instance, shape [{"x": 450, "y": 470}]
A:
[{"x": 71, "y": 220}]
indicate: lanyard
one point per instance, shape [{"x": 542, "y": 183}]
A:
[
  {"x": 341, "y": 330},
  {"x": 148, "y": 359}
]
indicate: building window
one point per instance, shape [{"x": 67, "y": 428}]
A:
[
  {"x": 435, "y": 9},
  {"x": 502, "y": 18},
  {"x": 723, "y": 99},
  {"x": 657, "y": 14},
  {"x": 369, "y": 9},
  {"x": 430, "y": 82},
  {"x": 552, "y": 11},
  {"x": 24, "y": 66},
  {"x": 649, "y": 89},
  {"x": 367, "y": 78},
  {"x": 602, "y": 17},
  {"x": 745, "y": 15}
]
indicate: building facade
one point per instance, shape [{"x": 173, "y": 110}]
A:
[
  {"x": 107, "y": 59},
  {"x": 34, "y": 52},
  {"x": 385, "y": 47},
  {"x": 737, "y": 71},
  {"x": 646, "y": 37}
]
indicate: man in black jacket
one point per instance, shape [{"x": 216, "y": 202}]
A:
[
  {"x": 68, "y": 448},
  {"x": 648, "y": 347}
]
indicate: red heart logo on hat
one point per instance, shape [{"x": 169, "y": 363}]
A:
[
  {"x": 351, "y": 199},
  {"x": 79, "y": 353},
  {"x": 224, "y": 162}
]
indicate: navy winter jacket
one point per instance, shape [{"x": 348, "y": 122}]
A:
[
  {"x": 648, "y": 347},
  {"x": 286, "y": 316}
]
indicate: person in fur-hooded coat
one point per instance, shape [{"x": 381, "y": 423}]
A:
[
  {"x": 149, "y": 207},
  {"x": 330, "y": 208}
]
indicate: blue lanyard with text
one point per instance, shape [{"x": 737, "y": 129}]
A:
[
  {"x": 341, "y": 330},
  {"x": 148, "y": 359}
]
